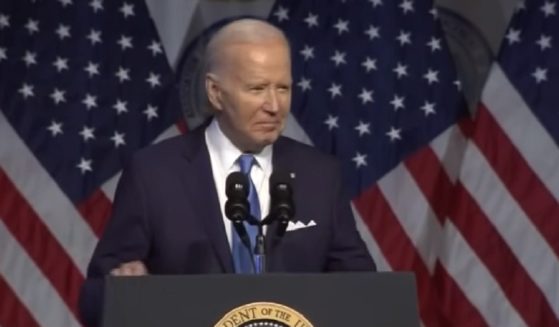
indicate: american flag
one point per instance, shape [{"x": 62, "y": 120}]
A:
[
  {"x": 507, "y": 194},
  {"x": 83, "y": 84},
  {"x": 469, "y": 206}
]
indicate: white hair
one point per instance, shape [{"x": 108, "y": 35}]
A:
[{"x": 240, "y": 31}]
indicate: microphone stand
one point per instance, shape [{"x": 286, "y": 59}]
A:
[{"x": 259, "y": 251}]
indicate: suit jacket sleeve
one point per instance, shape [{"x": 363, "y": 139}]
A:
[
  {"x": 347, "y": 251},
  {"x": 126, "y": 238}
]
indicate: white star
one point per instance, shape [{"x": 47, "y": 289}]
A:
[
  {"x": 32, "y": 26},
  {"x": 92, "y": 69},
  {"x": 63, "y": 31},
  {"x": 428, "y": 108},
  {"x": 341, "y": 26},
  {"x": 58, "y": 96},
  {"x": 94, "y": 36},
  {"x": 404, "y": 38},
  {"x": 335, "y": 90},
  {"x": 118, "y": 139},
  {"x": 55, "y": 128},
  {"x": 96, "y": 5},
  {"x": 90, "y": 101},
  {"x": 513, "y": 36},
  {"x": 369, "y": 64},
  {"x": 153, "y": 80},
  {"x": 3, "y": 55},
  {"x": 4, "y": 21},
  {"x": 120, "y": 106},
  {"x": 125, "y": 42},
  {"x": 65, "y": 2},
  {"x": 432, "y": 76},
  {"x": 338, "y": 58},
  {"x": 544, "y": 42},
  {"x": 60, "y": 64},
  {"x": 434, "y": 12},
  {"x": 84, "y": 165},
  {"x": 87, "y": 133},
  {"x": 282, "y": 14},
  {"x": 360, "y": 160},
  {"x": 394, "y": 134},
  {"x": 540, "y": 74},
  {"x": 363, "y": 128},
  {"x": 376, "y": 3},
  {"x": 151, "y": 112},
  {"x": 397, "y": 102},
  {"x": 30, "y": 58},
  {"x": 406, "y": 6},
  {"x": 307, "y": 52},
  {"x": 548, "y": 8},
  {"x": 434, "y": 44},
  {"x": 127, "y": 10},
  {"x": 401, "y": 70},
  {"x": 26, "y": 90},
  {"x": 331, "y": 122},
  {"x": 458, "y": 84},
  {"x": 366, "y": 96},
  {"x": 155, "y": 48},
  {"x": 123, "y": 74},
  {"x": 373, "y": 32},
  {"x": 311, "y": 20},
  {"x": 304, "y": 84}
]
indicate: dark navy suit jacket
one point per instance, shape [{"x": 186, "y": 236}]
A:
[{"x": 167, "y": 214}]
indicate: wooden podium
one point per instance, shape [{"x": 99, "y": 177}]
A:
[{"x": 274, "y": 300}]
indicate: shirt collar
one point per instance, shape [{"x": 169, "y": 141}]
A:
[{"x": 227, "y": 153}]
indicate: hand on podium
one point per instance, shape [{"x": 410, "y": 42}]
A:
[{"x": 132, "y": 268}]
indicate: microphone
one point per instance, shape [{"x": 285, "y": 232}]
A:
[
  {"x": 282, "y": 207},
  {"x": 237, "y": 208}
]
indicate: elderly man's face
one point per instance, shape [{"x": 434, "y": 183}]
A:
[{"x": 254, "y": 93}]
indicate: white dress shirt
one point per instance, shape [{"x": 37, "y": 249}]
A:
[{"x": 223, "y": 158}]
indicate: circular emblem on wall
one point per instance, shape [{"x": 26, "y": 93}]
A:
[
  {"x": 260, "y": 314},
  {"x": 470, "y": 50},
  {"x": 192, "y": 93}
]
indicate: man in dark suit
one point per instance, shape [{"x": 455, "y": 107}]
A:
[{"x": 168, "y": 215}]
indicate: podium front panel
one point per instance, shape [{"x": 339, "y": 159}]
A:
[{"x": 323, "y": 300}]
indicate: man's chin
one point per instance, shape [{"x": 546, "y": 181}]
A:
[{"x": 263, "y": 141}]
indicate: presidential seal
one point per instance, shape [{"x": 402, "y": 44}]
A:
[{"x": 263, "y": 314}]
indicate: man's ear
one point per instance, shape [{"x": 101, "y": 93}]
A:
[{"x": 214, "y": 91}]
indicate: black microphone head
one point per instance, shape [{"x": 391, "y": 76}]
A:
[
  {"x": 236, "y": 185},
  {"x": 281, "y": 196},
  {"x": 237, "y": 209},
  {"x": 280, "y": 185},
  {"x": 236, "y": 189}
]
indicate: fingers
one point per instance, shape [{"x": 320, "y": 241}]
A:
[{"x": 132, "y": 268}]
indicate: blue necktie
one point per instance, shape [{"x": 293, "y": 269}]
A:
[{"x": 241, "y": 255}]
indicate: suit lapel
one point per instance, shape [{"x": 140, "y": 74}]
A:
[{"x": 198, "y": 179}]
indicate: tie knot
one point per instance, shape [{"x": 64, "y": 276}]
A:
[{"x": 245, "y": 162}]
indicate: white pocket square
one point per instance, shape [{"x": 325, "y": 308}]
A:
[{"x": 295, "y": 225}]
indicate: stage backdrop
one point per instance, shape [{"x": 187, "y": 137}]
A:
[{"x": 443, "y": 116}]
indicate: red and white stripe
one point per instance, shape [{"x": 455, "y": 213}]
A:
[
  {"x": 46, "y": 242},
  {"x": 475, "y": 216}
]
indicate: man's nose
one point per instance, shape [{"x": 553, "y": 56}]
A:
[{"x": 272, "y": 101}]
